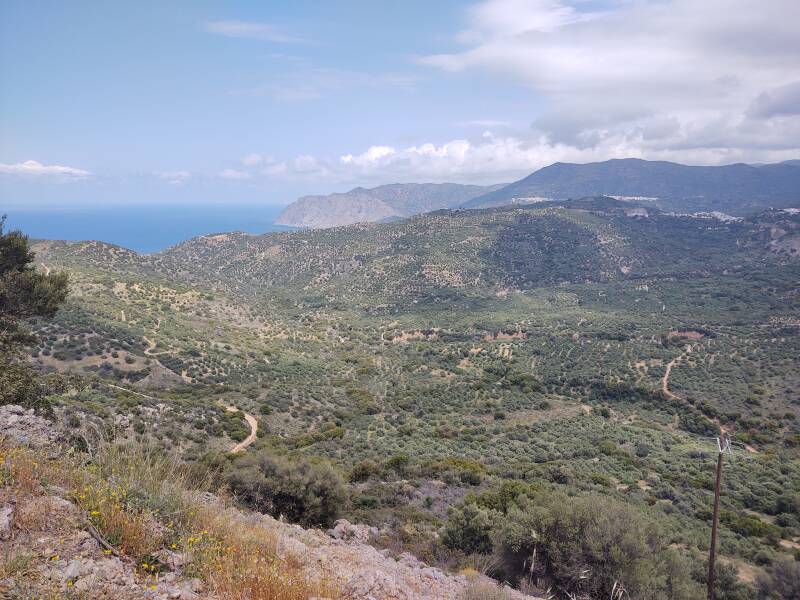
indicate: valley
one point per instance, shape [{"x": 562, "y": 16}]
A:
[
  {"x": 579, "y": 349},
  {"x": 474, "y": 300}
]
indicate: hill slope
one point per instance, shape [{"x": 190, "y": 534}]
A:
[
  {"x": 527, "y": 247},
  {"x": 305, "y": 562},
  {"x": 359, "y": 205},
  {"x": 464, "y": 251},
  {"x": 737, "y": 189},
  {"x": 440, "y": 362}
]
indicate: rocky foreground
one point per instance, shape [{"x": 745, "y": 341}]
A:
[{"x": 63, "y": 554}]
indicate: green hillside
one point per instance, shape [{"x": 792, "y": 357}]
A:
[{"x": 588, "y": 349}]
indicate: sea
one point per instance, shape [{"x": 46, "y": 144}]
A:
[{"x": 144, "y": 228}]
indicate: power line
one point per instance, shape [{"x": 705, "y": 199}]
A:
[{"x": 723, "y": 446}]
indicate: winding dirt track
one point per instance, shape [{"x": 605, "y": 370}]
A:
[
  {"x": 151, "y": 345},
  {"x": 251, "y": 420},
  {"x": 671, "y": 396},
  {"x": 665, "y": 380},
  {"x": 130, "y": 391}
]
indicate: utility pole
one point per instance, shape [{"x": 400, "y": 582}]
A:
[{"x": 723, "y": 445}]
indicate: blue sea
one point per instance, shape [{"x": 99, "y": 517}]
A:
[{"x": 144, "y": 228}]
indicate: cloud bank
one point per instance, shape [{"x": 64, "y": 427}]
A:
[
  {"x": 711, "y": 81},
  {"x": 33, "y": 168}
]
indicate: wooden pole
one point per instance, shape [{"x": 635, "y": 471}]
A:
[{"x": 712, "y": 574}]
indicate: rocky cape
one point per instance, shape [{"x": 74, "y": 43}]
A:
[{"x": 372, "y": 205}]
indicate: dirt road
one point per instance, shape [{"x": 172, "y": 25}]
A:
[
  {"x": 671, "y": 396},
  {"x": 251, "y": 421},
  {"x": 665, "y": 380}
]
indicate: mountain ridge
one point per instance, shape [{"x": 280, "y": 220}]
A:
[
  {"x": 390, "y": 201},
  {"x": 738, "y": 189}
]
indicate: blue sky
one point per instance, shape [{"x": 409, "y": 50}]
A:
[{"x": 137, "y": 102}]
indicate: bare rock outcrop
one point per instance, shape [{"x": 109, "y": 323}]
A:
[{"x": 26, "y": 428}]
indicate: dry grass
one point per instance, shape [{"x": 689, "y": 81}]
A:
[
  {"x": 15, "y": 565},
  {"x": 39, "y": 513},
  {"x": 142, "y": 501},
  {"x": 485, "y": 590},
  {"x": 238, "y": 559},
  {"x": 25, "y": 471},
  {"x": 239, "y": 576}
]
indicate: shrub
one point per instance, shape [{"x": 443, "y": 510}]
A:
[
  {"x": 747, "y": 525},
  {"x": 642, "y": 449},
  {"x": 782, "y": 582},
  {"x": 589, "y": 546},
  {"x": 364, "y": 470},
  {"x": 501, "y": 498},
  {"x": 398, "y": 463},
  {"x": 20, "y": 384},
  {"x": 304, "y": 492},
  {"x": 468, "y": 529}
]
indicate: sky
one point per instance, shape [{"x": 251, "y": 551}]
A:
[{"x": 105, "y": 103}]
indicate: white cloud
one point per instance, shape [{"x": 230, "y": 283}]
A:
[
  {"x": 491, "y": 158},
  {"x": 34, "y": 168},
  {"x": 371, "y": 156},
  {"x": 175, "y": 177},
  {"x": 488, "y": 158},
  {"x": 234, "y": 174},
  {"x": 519, "y": 17},
  {"x": 252, "y": 159},
  {"x": 253, "y": 30},
  {"x": 659, "y": 75}
]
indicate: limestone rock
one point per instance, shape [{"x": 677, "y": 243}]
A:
[
  {"x": 26, "y": 428},
  {"x": 345, "y": 530},
  {"x": 376, "y": 585},
  {"x": 6, "y": 518}
]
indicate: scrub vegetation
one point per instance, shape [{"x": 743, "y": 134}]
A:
[{"x": 530, "y": 391}]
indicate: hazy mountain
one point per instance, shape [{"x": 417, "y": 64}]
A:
[
  {"x": 737, "y": 189},
  {"x": 386, "y": 202}
]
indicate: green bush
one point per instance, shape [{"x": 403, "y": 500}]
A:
[
  {"x": 747, "y": 525},
  {"x": 589, "y": 546},
  {"x": 782, "y": 582},
  {"x": 364, "y": 470},
  {"x": 468, "y": 529},
  {"x": 398, "y": 463},
  {"x": 20, "y": 384},
  {"x": 304, "y": 492},
  {"x": 502, "y": 497}
]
